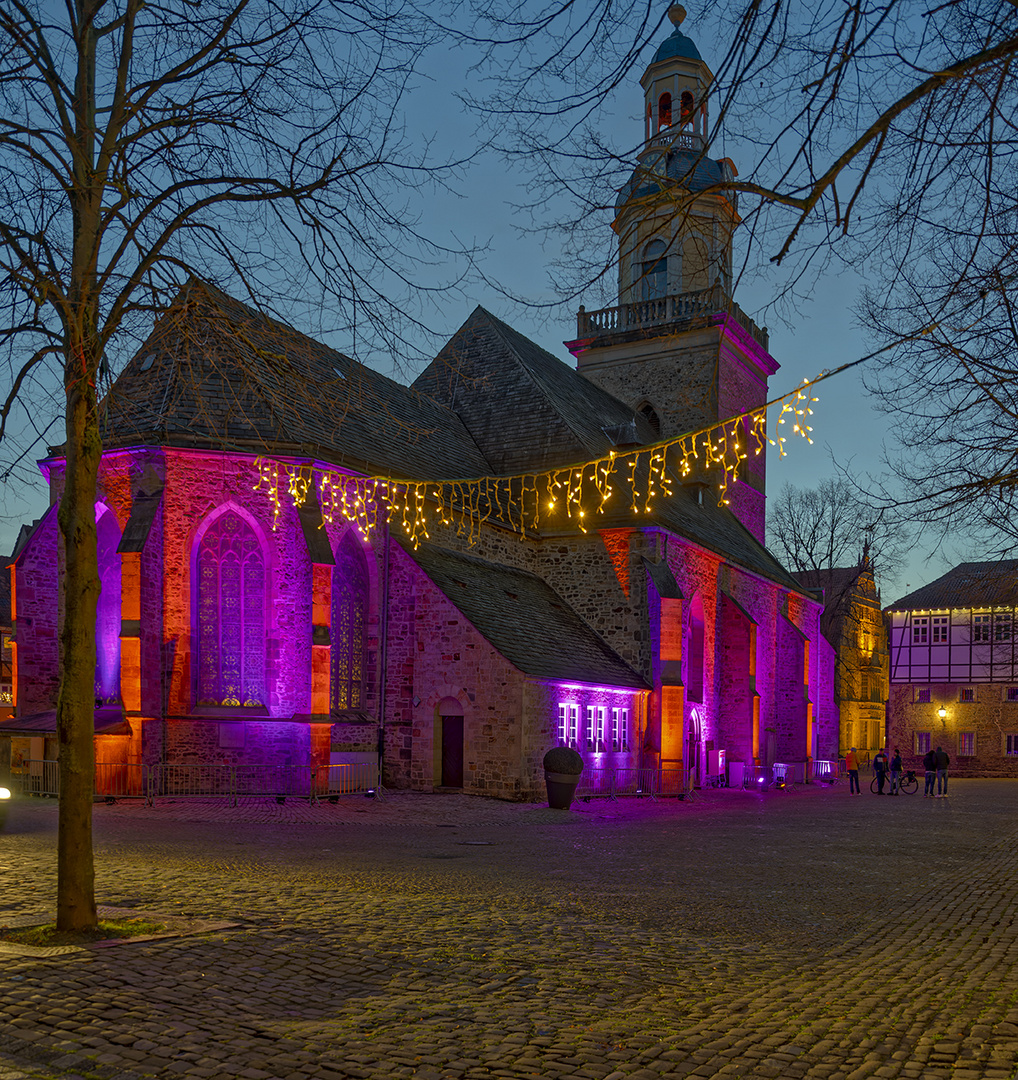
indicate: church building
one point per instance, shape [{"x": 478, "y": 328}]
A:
[{"x": 303, "y": 561}]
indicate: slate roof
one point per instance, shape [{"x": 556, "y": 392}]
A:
[
  {"x": 526, "y": 409},
  {"x": 525, "y": 619},
  {"x": 688, "y": 169},
  {"x": 968, "y": 585},
  {"x": 214, "y": 372},
  {"x": 109, "y": 720}
]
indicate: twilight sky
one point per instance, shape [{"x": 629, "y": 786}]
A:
[{"x": 818, "y": 334}]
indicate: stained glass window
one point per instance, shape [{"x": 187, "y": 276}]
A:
[
  {"x": 231, "y": 615},
  {"x": 349, "y": 626}
]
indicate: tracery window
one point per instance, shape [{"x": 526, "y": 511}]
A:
[
  {"x": 231, "y": 615},
  {"x": 349, "y": 626}
]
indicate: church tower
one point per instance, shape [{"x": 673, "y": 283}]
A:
[{"x": 677, "y": 348}]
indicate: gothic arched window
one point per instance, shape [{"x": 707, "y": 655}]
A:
[
  {"x": 664, "y": 111},
  {"x": 654, "y": 275},
  {"x": 231, "y": 614},
  {"x": 686, "y": 107},
  {"x": 349, "y": 626}
]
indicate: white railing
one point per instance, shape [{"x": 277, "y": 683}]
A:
[{"x": 648, "y": 314}]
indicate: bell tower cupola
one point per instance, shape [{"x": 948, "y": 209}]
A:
[
  {"x": 675, "y": 89},
  {"x": 676, "y": 347}
]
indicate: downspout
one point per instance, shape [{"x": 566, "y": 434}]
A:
[{"x": 383, "y": 651}]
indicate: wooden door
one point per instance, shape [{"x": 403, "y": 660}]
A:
[{"x": 452, "y": 751}]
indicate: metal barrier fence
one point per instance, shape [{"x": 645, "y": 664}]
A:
[
  {"x": 615, "y": 783},
  {"x": 233, "y": 782},
  {"x": 826, "y": 772}
]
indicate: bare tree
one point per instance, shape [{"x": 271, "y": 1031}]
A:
[
  {"x": 831, "y": 526},
  {"x": 255, "y": 145}
]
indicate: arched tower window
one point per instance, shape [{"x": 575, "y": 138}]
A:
[
  {"x": 654, "y": 271},
  {"x": 349, "y": 625},
  {"x": 231, "y": 614},
  {"x": 648, "y": 410},
  {"x": 664, "y": 111},
  {"x": 686, "y": 108}
]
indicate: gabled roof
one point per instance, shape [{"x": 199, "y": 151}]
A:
[
  {"x": 524, "y": 408},
  {"x": 968, "y": 585},
  {"x": 216, "y": 373},
  {"x": 525, "y": 619}
]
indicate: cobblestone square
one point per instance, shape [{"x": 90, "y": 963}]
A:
[{"x": 790, "y": 934}]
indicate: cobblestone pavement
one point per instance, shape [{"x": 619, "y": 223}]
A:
[{"x": 802, "y": 934}]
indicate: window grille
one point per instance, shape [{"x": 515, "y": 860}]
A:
[
  {"x": 1011, "y": 745},
  {"x": 349, "y": 626},
  {"x": 574, "y": 724},
  {"x": 966, "y": 744},
  {"x": 968, "y": 693},
  {"x": 922, "y": 695},
  {"x": 1012, "y": 693},
  {"x": 231, "y": 615},
  {"x": 922, "y": 742},
  {"x": 589, "y": 733}
]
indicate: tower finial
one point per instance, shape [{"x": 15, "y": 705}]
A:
[{"x": 676, "y": 13}]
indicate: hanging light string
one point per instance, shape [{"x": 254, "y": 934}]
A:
[{"x": 570, "y": 493}]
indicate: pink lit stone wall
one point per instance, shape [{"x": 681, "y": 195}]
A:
[{"x": 37, "y": 620}]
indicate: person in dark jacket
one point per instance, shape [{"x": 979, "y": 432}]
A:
[
  {"x": 930, "y": 765},
  {"x": 942, "y": 763},
  {"x": 895, "y": 770},
  {"x": 880, "y": 769}
]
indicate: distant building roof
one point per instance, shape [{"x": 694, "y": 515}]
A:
[
  {"x": 525, "y": 619},
  {"x": 970, "y": 584}
]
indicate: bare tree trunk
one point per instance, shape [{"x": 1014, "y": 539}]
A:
[{"x": 75, "y": 706}]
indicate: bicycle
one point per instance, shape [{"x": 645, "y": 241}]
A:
[{"x": 907, "y": 782}]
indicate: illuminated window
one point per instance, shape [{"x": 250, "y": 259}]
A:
[
  {"x": 589, "y": 734},
  {"x": 664, "y": 111},
  {"x": 922, "y": 742},
  {"x": 654, "y": 271},
  {"x": 966, "y": 744},
  {"x": 574, "y": 723},
  {"x": 981, "y": 627},
  {"x": 562, "y": 714},
  {"x": 968, "y": 693},
  {"x": 231, "y": 615},
  {"x": 349, "y": 625},
  {"x": 599, "y": 732},
  {"x": 620, "y": 729},
  {"x": 1011, "y": 745},
  {"x": 941, "y": 629},
  {"x": 920, "y": 631},
  {"x": 1002, "y": 627},
  {"x": 922, "y": 695},
  {"x": 686, "y": 107}
]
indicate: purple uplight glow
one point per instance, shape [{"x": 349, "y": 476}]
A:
[{"x": 107, "y": 616}]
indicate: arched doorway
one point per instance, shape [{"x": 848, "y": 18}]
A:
[
  {"x": 450, "y": 741},
  {"x": 694, "y": 747}
]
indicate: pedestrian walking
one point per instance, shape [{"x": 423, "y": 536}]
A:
[
  {"x": 852, "y": 764},
  {"x": 880, "y": 769},
  {"x": 930, "y": 765},
  {"x": 942, "y": 763},
  {"x": 895, "y": 770}
]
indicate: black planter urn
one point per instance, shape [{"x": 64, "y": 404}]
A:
[{"x": 562, "y": 769}]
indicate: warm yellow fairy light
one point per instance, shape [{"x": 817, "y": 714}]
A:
[{"x": 516, "y": 501}]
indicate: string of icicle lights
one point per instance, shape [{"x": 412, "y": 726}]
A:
[{"x": 574, "y": 492}]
